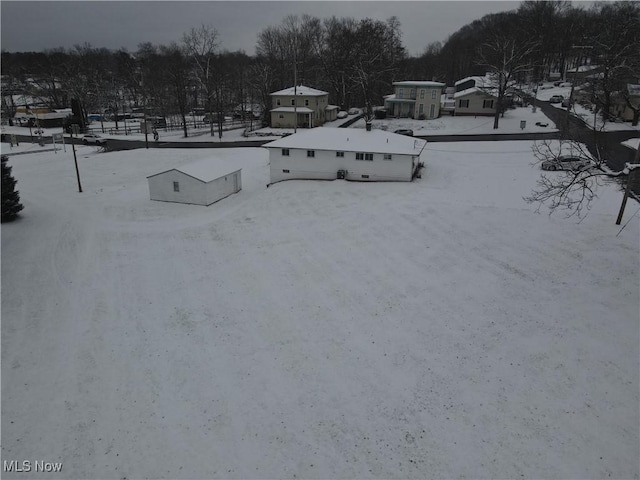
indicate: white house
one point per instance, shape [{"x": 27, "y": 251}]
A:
[
  {"x": 349, "y": 153},
  {"x": 200, "y": 183}
]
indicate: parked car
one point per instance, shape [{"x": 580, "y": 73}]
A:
[
  {"x": 93, "y": 139},
  {"x": 354, "y": 111},
  {"x": 565, "y": 102},
  {"x": 404, "y": 131},
  {"x": 565, "y": 162},
  {"x": 342, "y": 114},
  {"x": 556, "y": 99}
]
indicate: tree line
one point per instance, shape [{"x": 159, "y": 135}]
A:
[{"x": 356, "y": 61}]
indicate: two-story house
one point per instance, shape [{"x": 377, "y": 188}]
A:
[
  {"x": 301, "y": 106},
  {"x": 414, "y": 99}
]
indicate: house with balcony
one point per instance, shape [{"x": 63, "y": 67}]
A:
[
  {"x": 301, "y": 106},
  {"x": 475, "y": 96},
  {"x": 414, "y": 99}
]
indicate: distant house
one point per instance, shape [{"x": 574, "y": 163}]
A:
[
  {"x": 301, "y": 106},
  {"x": 475, "y": 96},
  {"x": 414, "y": 99},
  {"x": 349, "y": 153},
  {"x": 620, "y": 108},
  {"x": 41, "y": 116},
  {"x": 582, "y": 73},
  {"x": 199, "y": 183}
]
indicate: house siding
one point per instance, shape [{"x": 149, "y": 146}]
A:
[
  {"x": 414, "y": 99},
  {"x": 317, "y": 103},
  {"x": 476, "y": 101},
  {"x": 192, "y": 190},
  {"x": 325, "y": 165}
]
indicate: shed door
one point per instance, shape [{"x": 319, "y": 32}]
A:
[{"x": 235, "y": 182}]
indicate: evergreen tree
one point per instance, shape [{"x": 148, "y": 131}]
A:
[{"x": 10, "y": 197}]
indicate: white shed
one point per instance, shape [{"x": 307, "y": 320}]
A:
[
  {"x": 200, "y": 183},
  {"x": 351, "y": 153}
]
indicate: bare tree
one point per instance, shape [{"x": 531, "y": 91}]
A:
[
  {"x": 202, "y": 45},
  {"x": 574, "y": 190},
  {"x": 507, "y": 61}
]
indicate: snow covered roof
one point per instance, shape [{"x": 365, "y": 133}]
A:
[
  {"x": 481, "y": 84},
  {"x": 583, "y": 68},
  {"x": 331, "y": 107},
  {"x": 292, "y": 109},
  {"x": 351, "y": 140},
  {"x": 301, "y": 90},
  {"x": 208, "y": 169},
  {"x": 418, "y": 83}
]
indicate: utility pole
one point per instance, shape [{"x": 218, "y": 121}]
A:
[
  {"x": 74, "y": 129},
  {"x": 144, "y": 111},
  {"x": 632, "y": 174},
  {"x": 295, "y": 85}
]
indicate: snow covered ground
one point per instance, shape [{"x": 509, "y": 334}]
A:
[
  {"x": 450, "y": 125},
  {"x": 434, "y": 329}
]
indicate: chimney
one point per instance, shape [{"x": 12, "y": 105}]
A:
[{"x": 368, "y": 126}]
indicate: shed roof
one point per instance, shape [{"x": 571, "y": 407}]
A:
[
  {"x": 206, "y": 170},
  {"x": 351, "y": 140},
  {"x": 301, "y": 90}
]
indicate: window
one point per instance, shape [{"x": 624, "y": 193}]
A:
[
  {"x": 400, "y": 93},
  {"x": 387, "y": 156},
  {"x": 364, "y": 156},
  {"x": 293, "y": 101},
  {"x": 421, "y": 108},
  {"x": 281, "y": 115},
  {"x": 278, "y": 101},
  {"x": 412, "y": 93},
  {"x": 365, "y": 176},
  {"x": 285, "y": 152},
  {"x": 432, "y": 110},
  {"x": 306, "y": 102},
  {"x": 422, "y": 93},
  {"x": 434, "y": 93},
  {"x": 311, "y": 153},
  {"x": 285, "y": 171},
  {"x": 487, "y": 104},
  {"x": 339, "y": 154},
  {"x": 176, "y": 186},
  {"x": 463, "y": 103}
]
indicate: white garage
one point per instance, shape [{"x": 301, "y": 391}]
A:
[{"x": 200, "y": 183}]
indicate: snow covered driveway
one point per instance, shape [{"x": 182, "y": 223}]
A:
[{"x": 433, "y": 329}]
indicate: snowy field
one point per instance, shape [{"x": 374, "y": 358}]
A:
[{"x": 434, "y": 329}]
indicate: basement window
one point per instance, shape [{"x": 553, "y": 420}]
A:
[
  {"x": 176, "y": 186},
  {"x": 365, "y": 176},
  {"x": 311, "y": 153},
  {"x": 285, "y": 171},
  {"x": 387, "y": 156},
  {"x": 339, "y": 154}
]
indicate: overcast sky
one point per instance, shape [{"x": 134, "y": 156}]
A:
[{"x": 39, "y": 25}]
